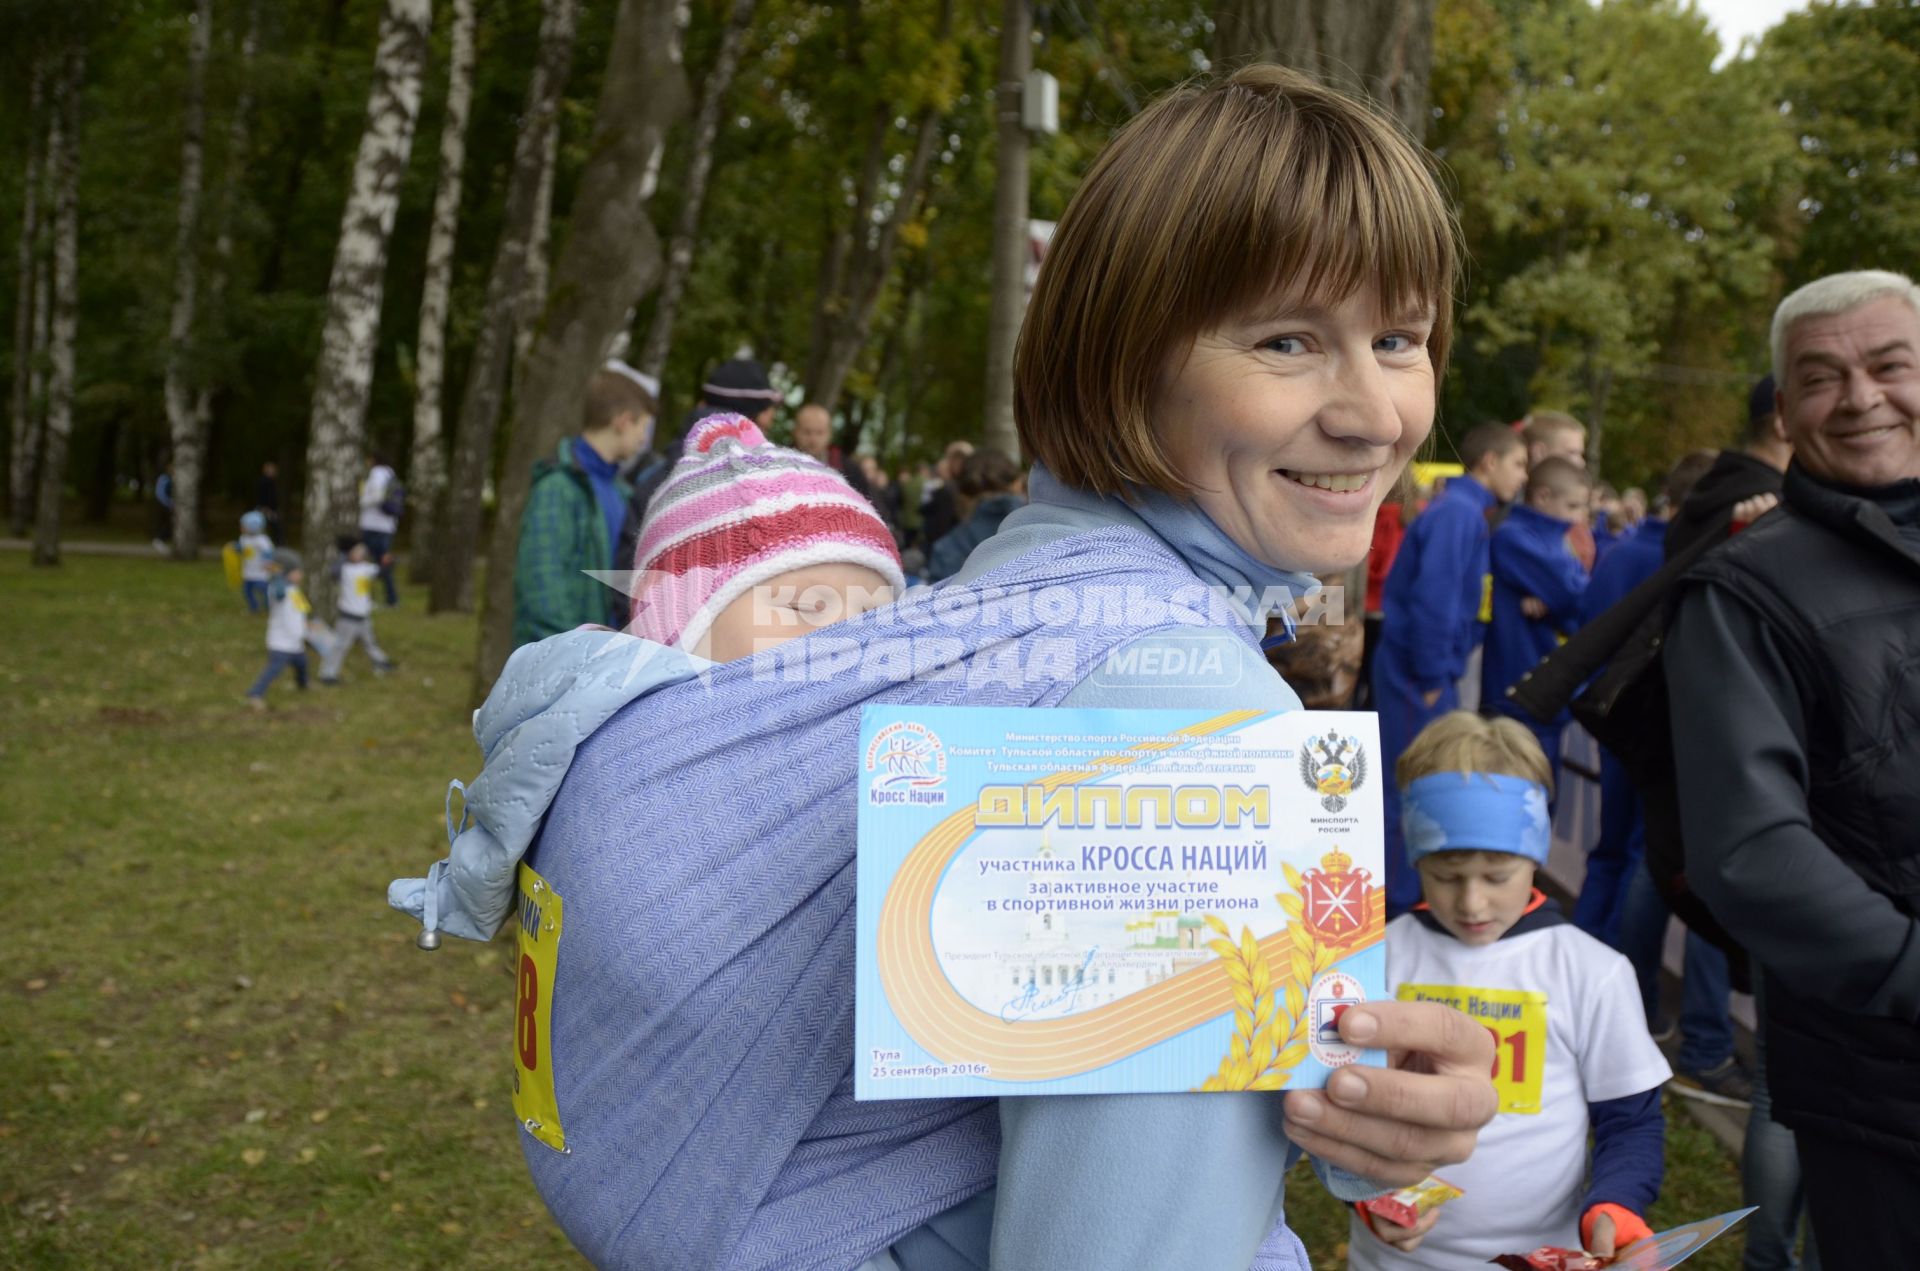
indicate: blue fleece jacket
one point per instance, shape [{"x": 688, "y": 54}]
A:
[
  {"x": 1431, "y": 604},
  {"x": 1529, "y": 556},
  {"x": 1634, "y": 557}
]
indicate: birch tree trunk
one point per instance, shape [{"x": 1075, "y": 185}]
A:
[
  {"x": 344, "y": 377},
  {"x": 539, "y": 262},
  {"x": 611, "y": 258},
  {"x": 220, "y": 269},
  {"x": 529, "y": 194},
  {"x": 42, "y": 320},
  {"x": 673, "y": 282},
  {"x": 1010, "y": 233},
  {"x": 63, "y": 163},
  {"x": 26, "y": 408},
  {"x": 189, "y": 441},
  {"x": 428, "y": 473},
  {"x": 1381, "y": 50}
]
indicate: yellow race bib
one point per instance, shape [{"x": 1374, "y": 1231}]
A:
[
  {"x": 1517, "y": 1018},
  {"x": 533, "y": 1098}
]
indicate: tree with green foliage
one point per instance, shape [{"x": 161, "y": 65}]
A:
[
  {"x": 1605, "y": 172},
  {"x": 1845, "y": 80}
]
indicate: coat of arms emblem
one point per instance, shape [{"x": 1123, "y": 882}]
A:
[
  {"x": 1338, "y": 901},
  {"x": 1333, "y": 767}
]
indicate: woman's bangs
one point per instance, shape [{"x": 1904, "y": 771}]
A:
[{"x": 1333, "y": 213}]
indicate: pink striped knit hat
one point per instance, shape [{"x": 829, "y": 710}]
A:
[{"x": 736, "y": 511}]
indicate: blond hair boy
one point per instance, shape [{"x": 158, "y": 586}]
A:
[{"x": 1572, "y": 1051}]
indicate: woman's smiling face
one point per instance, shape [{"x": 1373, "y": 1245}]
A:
[{"x": 1293, "y": 425}]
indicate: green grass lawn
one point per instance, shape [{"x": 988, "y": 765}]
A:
[{"x": 221, "y": 1049}]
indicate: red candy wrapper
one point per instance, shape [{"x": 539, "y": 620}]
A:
[
  {"x": 1550, "y": 1259},
  {"x": 1407, "y": 1206}
]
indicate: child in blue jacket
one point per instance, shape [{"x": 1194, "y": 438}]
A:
[
  {"x": 1538, "y": 587},
  {"x": 1430, "y": 614}
]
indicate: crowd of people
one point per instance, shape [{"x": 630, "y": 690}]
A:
[{"x": 1744, "y": 648}]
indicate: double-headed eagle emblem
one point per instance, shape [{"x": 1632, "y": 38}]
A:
[{"x": 1333, "y": 767}]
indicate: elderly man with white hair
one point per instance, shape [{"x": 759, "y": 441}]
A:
[{"x": 1794, "y": 667}]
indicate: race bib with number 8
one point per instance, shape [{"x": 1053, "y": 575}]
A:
[
  {"x": 539, "y": 947},
  {"x": 1517, "y": 1018}
]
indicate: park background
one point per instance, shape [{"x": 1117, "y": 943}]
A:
[{"x": 220, "y": 1049}]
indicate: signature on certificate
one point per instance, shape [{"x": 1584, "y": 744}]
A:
[{"x": 1028, "y": 1002}]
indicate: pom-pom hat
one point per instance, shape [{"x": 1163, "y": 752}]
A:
[{"x": 735, "y": 512}]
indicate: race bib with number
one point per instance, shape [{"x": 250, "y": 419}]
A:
[
  {"x": 539, "y": 943},
  {"x": 1517, "y": 1018}
]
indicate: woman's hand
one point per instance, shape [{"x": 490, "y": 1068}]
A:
[{"x": 1398, "y": 1124}]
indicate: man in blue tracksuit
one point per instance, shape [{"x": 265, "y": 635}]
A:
[
  {"x": 1431, "y": 619},
  {"x": 1636, "y": 556},
  {"x": 1538, "y": 586}
]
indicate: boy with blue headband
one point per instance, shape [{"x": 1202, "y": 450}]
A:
[{"x": 1572, "y": 1052}]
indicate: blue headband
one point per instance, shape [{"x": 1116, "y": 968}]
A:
[{"x": 1475, "y": 811}]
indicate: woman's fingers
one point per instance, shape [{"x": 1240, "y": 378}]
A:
[
  {"x": 1398, "y": 1124},
  {"x": 1390, "y": 1171},
  {"x": 1448, "y": 1039}
]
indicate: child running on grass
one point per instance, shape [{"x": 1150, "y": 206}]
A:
[
  {"x": 358, "y": 573},
  {"x": 1572, "y": 1051},
  {"x": 287, "y": 610},
  {"x": 256, "y": 561}
]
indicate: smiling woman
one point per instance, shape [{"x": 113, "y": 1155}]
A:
[
  {"x": 1231, "y": 352},
  {"x": 1263, "y": 231}
]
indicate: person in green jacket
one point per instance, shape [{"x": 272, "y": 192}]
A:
[{"x": 575, "y": 511}]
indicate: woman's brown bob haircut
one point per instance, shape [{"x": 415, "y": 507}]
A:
[{"x": 1208, "y": 205}]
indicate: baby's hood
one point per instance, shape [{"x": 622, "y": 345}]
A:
[{"x": 551, "y": 697}]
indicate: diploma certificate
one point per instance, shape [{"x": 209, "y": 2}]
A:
[{"x": 1057, "y": 901}]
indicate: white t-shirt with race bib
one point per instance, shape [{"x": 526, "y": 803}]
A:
[
  {"x": 256, "y": 554},
  {"x": 356, "y": 588},
  {"x": 287, "y": 621},
  {"x": 1569, "y": 1028}
]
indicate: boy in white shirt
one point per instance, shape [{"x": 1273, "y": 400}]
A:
[
  {"x": 381, "y": 499},
  {"x": 357, "y": 576},
  {"x": 256, "y": 561},
  {"x": 287, "y": 610},
  {"x": 1572, "y": 1052}
]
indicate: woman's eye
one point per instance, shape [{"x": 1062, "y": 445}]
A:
[
  {"x": 1289, "y": 344},
  {"x": 1394, "y": 343}
]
